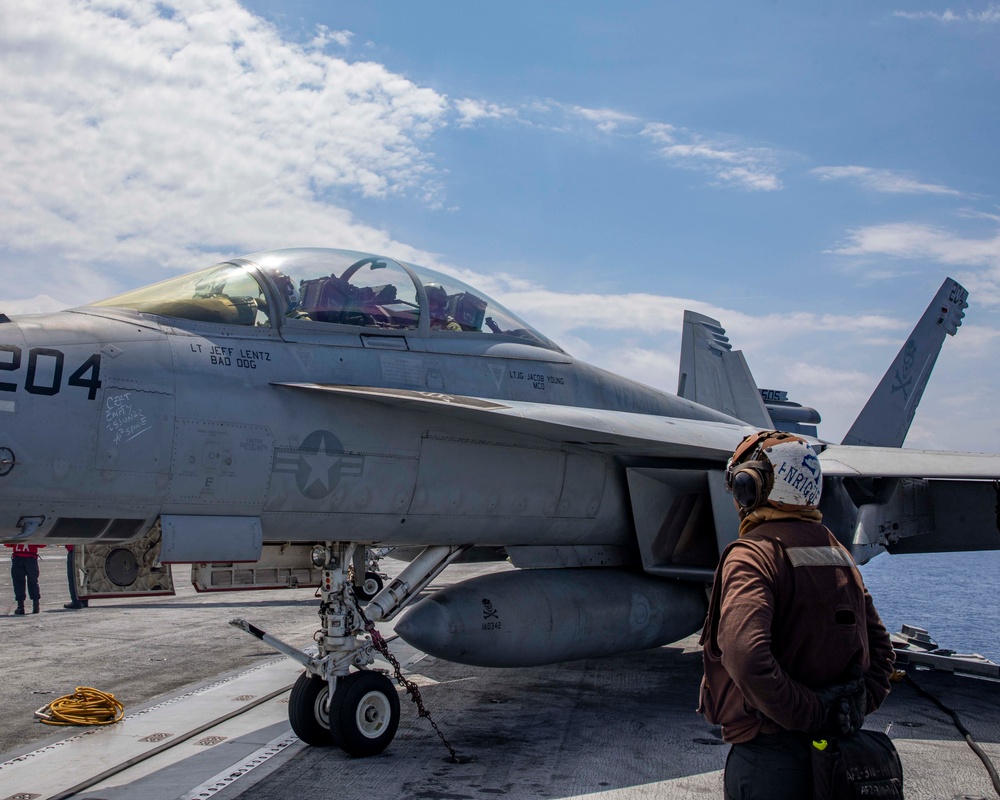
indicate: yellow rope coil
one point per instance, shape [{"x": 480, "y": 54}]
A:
[{"x": 86, "y": 706}]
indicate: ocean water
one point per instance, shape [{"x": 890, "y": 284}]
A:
[{"x": 954, "y": 596}]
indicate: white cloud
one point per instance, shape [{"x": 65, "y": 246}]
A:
[
  {"x": 325, "y": 36},
  {"x": 882, "y": 180},
  {"x": 661, "y": 133},
  {"x": 731, "y": 164},
  {"x": 917, "y": 240},
  {"x": 838, "y": 394},
  {"x": 726, "y": 161},
  {"x": 473, "y": 111},
  {"x": 601, "y": 115},
  {"x": 40, "y": 304},
  {"x": 151, "y": 134},
  {"x": 991, "y": 14},
  {"x": 607, "y": 120},
  {"x": 154, "y": 136},
  {"x": 564, "y": 312},
  {"x": 753, "y": 178}
]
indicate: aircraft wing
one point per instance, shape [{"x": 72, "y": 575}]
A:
[
  {"x": 644, "y": 435},
  {"x": 613, "y": 432},
  {"x": 845, "y": 461}
]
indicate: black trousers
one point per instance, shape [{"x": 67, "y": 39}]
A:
[
  {"x": 24, "y": 571},
  {"x": 772, "y": 766},
  {"x": 71, "y": 580}
]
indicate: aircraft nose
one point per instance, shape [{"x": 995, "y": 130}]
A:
[
  {"x": 49, "y": 404},
  {"x": 86, "y": 426},
  {"x": 12, "y": 349}
]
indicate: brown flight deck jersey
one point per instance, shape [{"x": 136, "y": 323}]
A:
[{"x": 789, "y": 613}]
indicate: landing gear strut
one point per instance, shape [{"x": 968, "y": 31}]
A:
[{"x": 359, "y": 711}]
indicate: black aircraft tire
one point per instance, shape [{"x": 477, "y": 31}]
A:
[
  {"x": 372, "y": 586},
  {"x": 306, "y": 712},
  {"x": 364, "y": 714}
]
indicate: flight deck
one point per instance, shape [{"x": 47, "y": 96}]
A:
[{"x": 206, "y": 715}]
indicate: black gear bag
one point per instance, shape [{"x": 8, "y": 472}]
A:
[{"x": 862, "y": 765}]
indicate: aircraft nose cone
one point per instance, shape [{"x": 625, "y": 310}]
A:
[
  {"x": 12, "y": 430},
  {"x": 11, "y": 344},
  {"x": 12, "y": 350}
]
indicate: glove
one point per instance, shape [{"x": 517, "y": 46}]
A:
[{"x": 844, "y": 705}]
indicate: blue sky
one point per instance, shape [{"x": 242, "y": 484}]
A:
[{"x": 808, "y": 173}]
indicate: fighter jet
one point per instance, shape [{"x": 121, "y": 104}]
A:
[{"x": 278, "y": 418}]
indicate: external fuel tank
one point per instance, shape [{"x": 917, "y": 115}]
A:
[{"x": 544, "y": 616}]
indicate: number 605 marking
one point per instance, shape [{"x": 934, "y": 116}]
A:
[{"x": 87, "y": 375}]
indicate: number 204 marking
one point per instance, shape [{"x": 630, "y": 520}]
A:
[{"x": 48, "y": 383}]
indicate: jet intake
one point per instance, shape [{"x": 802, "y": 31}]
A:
[{"x": 528, "y": 618}]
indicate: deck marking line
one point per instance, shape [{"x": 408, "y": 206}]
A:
[{"x": 217, "y": 783}]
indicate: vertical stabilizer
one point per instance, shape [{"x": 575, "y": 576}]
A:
[
  {"x": 715, "y": 375},
  {"x": 886, "y": 417}
]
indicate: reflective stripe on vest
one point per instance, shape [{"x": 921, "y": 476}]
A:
[{"x": 819, "y": 557}]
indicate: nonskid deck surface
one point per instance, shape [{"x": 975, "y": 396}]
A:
[
  {"x": 172, "y": 744},
  {"x": 605, "y": 728},
  {"x": 622, "y": 727},
  {"x": 615, "y": 729}
]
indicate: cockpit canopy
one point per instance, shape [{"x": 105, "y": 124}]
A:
[{"x": 338, "y": 287}]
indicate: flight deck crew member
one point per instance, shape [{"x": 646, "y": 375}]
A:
[
  {"x": 793, "y": 646},
  {"x": 75, "y": 602},
  {"x": 24, "y": 570}
]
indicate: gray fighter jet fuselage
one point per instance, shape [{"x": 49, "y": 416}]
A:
[
  {"x": 118, "y": 416},
  {"x": 334, "y": 402}
]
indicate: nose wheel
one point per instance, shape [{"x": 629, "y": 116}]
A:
[
  {"x": 361, "y": 719},
  {"x": 309, "y": 710},
  {"x": 364, "y": 714}
]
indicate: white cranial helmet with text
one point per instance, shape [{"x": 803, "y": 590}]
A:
[{"x": 798, "y": 478}]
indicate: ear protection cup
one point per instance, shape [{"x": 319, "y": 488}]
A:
[{"x": 751, "y": 483}]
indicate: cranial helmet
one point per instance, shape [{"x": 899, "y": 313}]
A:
[
  {"x": 775, "y": 469},
  {"x": 437, "y": 297}
]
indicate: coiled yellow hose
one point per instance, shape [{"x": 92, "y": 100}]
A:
[{"x": 86, "y": 706}]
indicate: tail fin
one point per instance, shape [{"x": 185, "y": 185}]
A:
[
  {"x": 714, "y": 375},
  {"x": 886, "y": 417}
]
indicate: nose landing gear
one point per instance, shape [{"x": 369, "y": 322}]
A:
[
  {"x": 361, "y": 719},
  {"x": 329, "y": 704}
]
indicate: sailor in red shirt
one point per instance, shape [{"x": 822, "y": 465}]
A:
[{"x": 24, "y": 570}]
